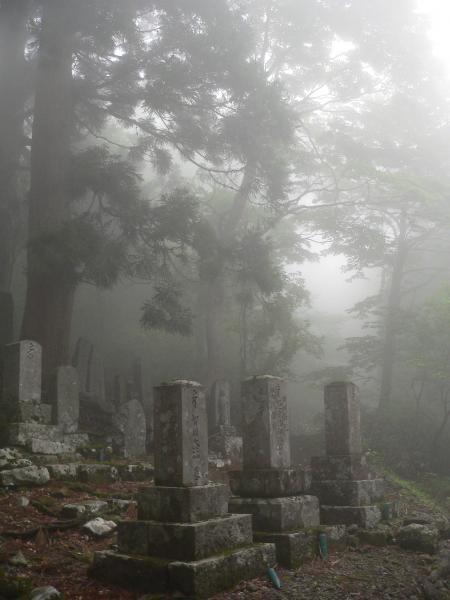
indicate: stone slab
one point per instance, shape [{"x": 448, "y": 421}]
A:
[
  {"x": 63, "y": 472},
  {"x": 181, "y": 434},
  {"x": 293, "y": 549},
  {"x": 349, "y": 493},
  {"x": 269, "y": 483},
  {"x": 137, "y": 472},
  {"x": 279, "y": 514},
  {"x": 265, "y": 423},
  {"x": 342, "y": 419},
  {"x": 349, "y": 466},
  {"x": 185, "y": 541},
  {"x": 32, "y": 411},
  {"x": 363, "y": 516},
  {"x": 21, "y": 434},
  {"x": 182, "y": 504},
  {"x": 42, "y": 446},
  {"x": 204, "y": 578}
]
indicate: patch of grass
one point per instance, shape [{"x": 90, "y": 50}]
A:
[{"x": 417, "y": 489}]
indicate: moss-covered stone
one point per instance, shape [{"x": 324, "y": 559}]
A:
[{"x": 13, "y": 587}]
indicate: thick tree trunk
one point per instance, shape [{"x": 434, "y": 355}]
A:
[
  {"x": 50, "y": 287},
  {"x": 391, "y": 326},
  {"x": 214, "y": 286},
  {"x": 13, "y": 94}
]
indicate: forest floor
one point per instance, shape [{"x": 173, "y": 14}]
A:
[{"x": 60, "y": 557}]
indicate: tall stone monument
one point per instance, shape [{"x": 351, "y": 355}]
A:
[
  {"x": 268, "y": 488},
  {"x": 347, "y": 490},
  {"x": 184, "y": 540},
  {"x": 223, "y": 439}
]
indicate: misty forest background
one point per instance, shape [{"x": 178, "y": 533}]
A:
[{"x": 168, "y": 168}]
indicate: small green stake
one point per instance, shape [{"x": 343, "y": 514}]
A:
[
  {"x": 274, "y": 578},
  {"x": 323, "y": 546}
]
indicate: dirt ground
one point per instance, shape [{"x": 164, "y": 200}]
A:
[{"x": 60, "y": 557}]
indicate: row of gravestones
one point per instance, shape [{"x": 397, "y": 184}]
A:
[{"x": 191, "y": 537}]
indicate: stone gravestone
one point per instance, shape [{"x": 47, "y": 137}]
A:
[
  {"x": 184, "y": 540},
  {"x": 348, "y": 492},
  {"x": 223, "y": 439},
  {"x": 181, "y": 435},
  {"x": 131, "y": 423},
  {"x": 66, "y": 399},
  {"x": 21, "y": 396},
  {"x": 81, "y": 361},
  {"x": 269, "y": 489}
]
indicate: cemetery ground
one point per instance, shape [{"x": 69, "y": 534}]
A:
[{"x": 49, "y": 550}]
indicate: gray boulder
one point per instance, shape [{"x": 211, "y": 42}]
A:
[
  {"x": 25, "y": 476},
  {"x": 99, "y": 527},
  {"x": 45, "y": 593}
]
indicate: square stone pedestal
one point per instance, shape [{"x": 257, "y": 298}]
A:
[
  {"x": 349, "y": 493},
  {"x": 293, "y": 549},
  {"x": 269, "y": 483},
  {"x": 363, "y": 516},
  {"x": 184, "y": 541}
]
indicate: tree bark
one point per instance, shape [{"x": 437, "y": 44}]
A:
[
  {"x": 50, "y": 288},
  {"x": 13, "y": 95},
  {"x": 391, "y": 325}
]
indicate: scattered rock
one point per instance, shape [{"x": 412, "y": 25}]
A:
[
  {"x": 99, "y": 527},
  {"x": 421, "y": 538},
  {"x": 91, "y": 507},
  {"x": 122, "y": 505},
  {"x": 45, "y": 593},
  {"x": 18, "y": 560},
  {"x": 381, "y": 536},
  {"x": 23, "y": 501},
  {"x": 25, "y": 476}
]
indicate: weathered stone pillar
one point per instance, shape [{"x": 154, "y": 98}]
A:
[
  {"x": 347, "y": 490},
  {"x": 66, "y": 403},
  {"x": 268, "y": 487},
  {"x": 184, "y": 539},
  {"x": 223, "y": 439}
]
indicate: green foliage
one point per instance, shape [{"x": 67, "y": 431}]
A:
[{"x": 166, "y": 313}]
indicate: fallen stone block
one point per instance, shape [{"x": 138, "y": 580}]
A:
[
  {"x": 90, "y": 507},
  {"x": 65, "y": 472},
  {"x": 279, "y": 514},
  {"x": 182, "y": 504},
  {"x": 137, "y": 472},
  {"x": 22, "y": 434},
  {"x": 25, "y": 476},
  {"x": 185, "y": 541},
  {"x": 43, "y": 446}
]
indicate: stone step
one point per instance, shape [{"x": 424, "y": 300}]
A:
[
  {"x": 197, "y": 579},
  {"x": 185, "y": 541},
  {"x": 43, "y": 446}
]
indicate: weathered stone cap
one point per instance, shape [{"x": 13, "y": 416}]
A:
[
  {"x": 258, "y": 377},
  {"x": 186, "y": 382}
]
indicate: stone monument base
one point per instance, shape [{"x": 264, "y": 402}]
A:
[
  {"x": 278, "y": 515},
  {"x": 198, "y": 579},
  {"x": 269, "y": 483},
  {"x": 363, "y": 516},
  {"x": 363, "y": 492}
]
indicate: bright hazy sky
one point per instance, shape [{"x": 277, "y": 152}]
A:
[{"x": 439, "y": 11}]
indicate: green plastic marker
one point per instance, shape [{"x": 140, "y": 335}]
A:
[
  {"x": 323, "y": 546},
  {"x": 274, "y": 578}
]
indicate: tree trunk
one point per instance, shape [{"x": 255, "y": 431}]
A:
[
  {"x": 50, "y": 288},
  {"x": 13, "y": 94},
  {"x": 391, "y": 325}
]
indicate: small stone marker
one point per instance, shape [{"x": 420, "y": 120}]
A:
[
  {"x": 265, "y": 428},
  {"x": 181, "y": 437},
  {"x": 22, "y": 372},
  {"x": 342, "y": 419},
  {"x": 130, "y": 421},
  {"x": 67, "y": 401}
]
